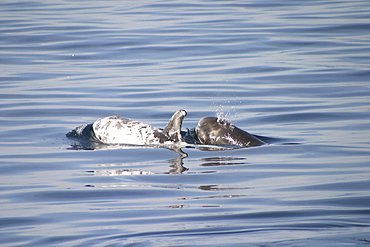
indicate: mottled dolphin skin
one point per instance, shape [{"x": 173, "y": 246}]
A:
[
  {"x": 115, "y": 130},
  {"x": 120, "y": 130},
  {"x": 212, "y": 130}
]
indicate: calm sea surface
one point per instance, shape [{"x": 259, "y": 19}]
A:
[{"x": 294, "y": 72}]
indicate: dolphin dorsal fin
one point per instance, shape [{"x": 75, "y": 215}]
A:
[{"x": 173, "y": 128}]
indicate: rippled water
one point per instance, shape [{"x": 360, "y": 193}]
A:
[{"x": 294, "y": 72}]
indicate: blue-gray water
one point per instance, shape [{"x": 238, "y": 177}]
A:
[{"x": 297, "y": 72}]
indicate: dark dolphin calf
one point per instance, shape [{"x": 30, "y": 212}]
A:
[
  {"x": 212, "y": 130},
  {"x": 119, "y": 130}
]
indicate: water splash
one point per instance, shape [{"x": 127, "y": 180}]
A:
[{"x": 226, "y": 110}]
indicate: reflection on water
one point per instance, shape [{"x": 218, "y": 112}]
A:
[
  {"x": 218, "y": 188},
  {"x": 176, "y": 166},
  {"x": 223, "y": 161},
  {"x": 121, "y": 172}
]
